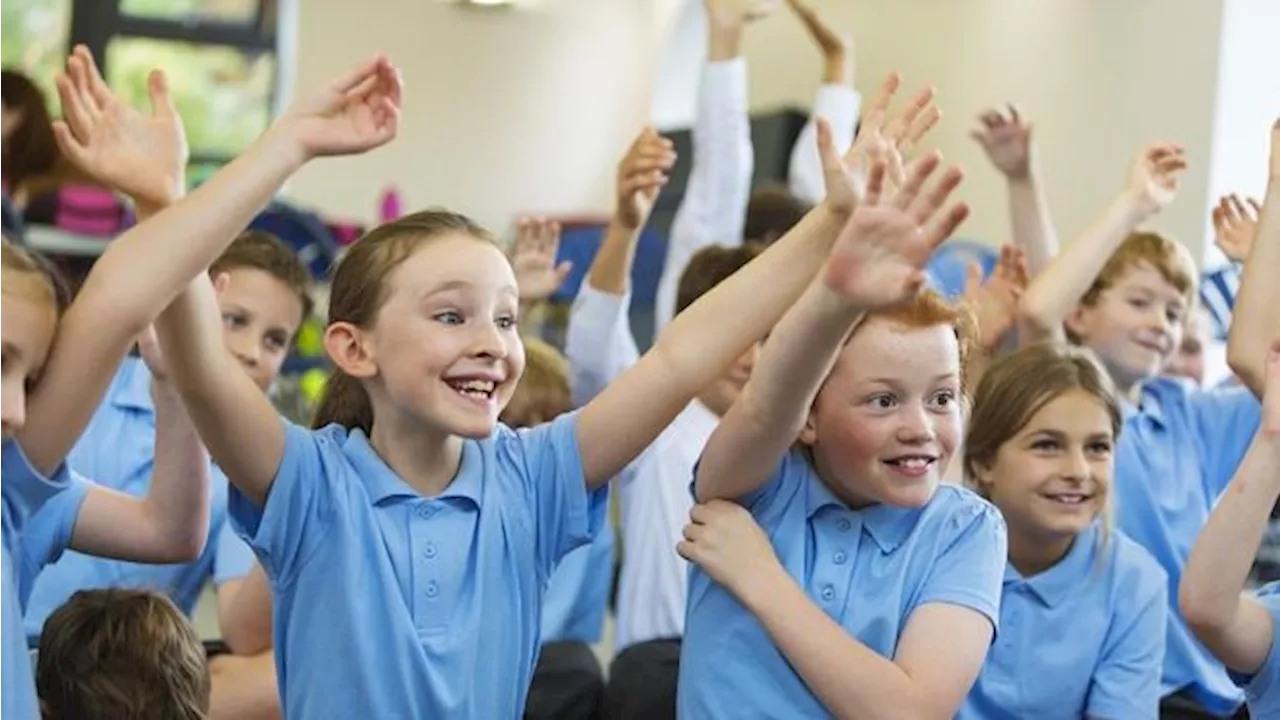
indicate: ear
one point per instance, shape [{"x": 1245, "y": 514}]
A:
[
  {"x": 809, "y": 433},
  {"x": 347, "y": 347},
  {"x": 1078, "y": 320}
]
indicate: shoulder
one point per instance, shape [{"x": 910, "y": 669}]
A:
[
  {"x": 958, "y": 508},
  {"x": 1135, "y": 575}
]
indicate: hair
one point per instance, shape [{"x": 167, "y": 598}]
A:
[
  {"x": 358, "y": 290},
  {"x": 1018, "y": 386},
  {"x": 32, "y": 151},
  {"x": 771, "y": 213},
  {"x": 258, "y": 250},
  {"x": 1167, "y": 256},
  {"x": 118, "y": 653},
  {"x": 543, "y": 392},
  {"x": 48, "y": 285},
  {"x": 709, "y": 267},
  {"x": 929, "y": 309}
]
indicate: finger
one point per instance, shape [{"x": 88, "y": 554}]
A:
[
  {"x": 972, "y": 277},
  {"x": 1170, "y": 164},
  {"x": 1227, "y": 212},
  {"x": 97, "y": 86},
  {"x": 698, "y": 514},
  {"x": 362, "y": 74},
  {"x": 79, "y": 74},
  {"x": 73, "y": 110},
  {"x": 685, "y": 550},
  {"x": 826, "y": 145},
  {"x": 875, "y": 184},
  {"x": 880, "y": 105},
  {"x": 920, "y": 172},
  {"x": 947, "y": 225},
  {"x": 1257, "y": 207},
  {"x": 992, "y": 119},
  {"x": 898, "y": 126},
  {"x": 927, "y": 204},
  {"x": 1237, "y": 206},
  {"x": 921, "y": 127},
  {"x": 1219, "y": 218},
  {"x": 392, "y": 81},
  {"x": 158, "y": 91},
  {"x": 645, "y": 165},
  {"x": 562, "y": 271},
  {"x": 1014, "y": 116},
  {"x": 71, "y": 148}
]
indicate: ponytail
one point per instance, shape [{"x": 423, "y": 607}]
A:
[{"x": 345, "y": 402}]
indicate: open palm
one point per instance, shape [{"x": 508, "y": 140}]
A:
[
  {"x": 144, "y": 156},
  {"x": 355, "y": 113},
  {"x": 1007, "y": 141},
  {"x": 533, "y": 259},
  {"x": 1235, "y": 225},
  {"x": 1155, "y": 176},
  {"x": 994, "y": 302}
]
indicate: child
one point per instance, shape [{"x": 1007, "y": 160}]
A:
[
  {"x": 116, "y": 653},
  {"x": 1084, "y": 608},
  {"x": 1242, "y": 630},
  {"x": 567, "y": 682},
  {"x": 1124, "y": 294},
  {"x": 775, "y": 621}
]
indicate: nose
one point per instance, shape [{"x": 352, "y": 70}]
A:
[
  {"x": 488, "y": 341},
  {"x": 1075, "y": 467},
  {"x": 915, "y": 426},
  {"x": 13, "y": 410}
]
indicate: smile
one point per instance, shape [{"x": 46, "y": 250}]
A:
[
  {"x": 477, "y": 391},
  {"x": 912, "y": 465},
  {"x": 1069, "y": 499}
]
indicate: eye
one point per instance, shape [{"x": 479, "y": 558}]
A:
[
  {"x": 1100, "y": 447},
  {"x": 449, "y": 317},
  {"x": 1174, "y": 315},
  {"x": 233, "y": 320},
  {"x": 506, "y": 322},
  {"x": 944, "y": 398},
  {"x": 1139, "y": 303},
  {"x": 882, "y": 401},
  {"x": 275, "y": 342},
  {"x": 1045, "y": 445}
]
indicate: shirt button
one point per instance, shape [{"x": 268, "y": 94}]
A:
[
  {"x": 840, "y": 557},
  {"x": 843, "y": 525},
  {"x": 429, "y": 550},
  {"x": 432, "y": 589},
  {"x": 425, "y": 511},
  {"x": 828, "y": 592}
]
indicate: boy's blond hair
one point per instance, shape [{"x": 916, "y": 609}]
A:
[
  {"x": 1167, "y": 256},
  {"x": 543, "y": 391}
]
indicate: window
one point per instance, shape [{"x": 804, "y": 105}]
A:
[
  {"x": 227, "y": 11},
  {"x": 34, "y": 40}
]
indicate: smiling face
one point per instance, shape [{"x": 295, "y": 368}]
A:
[
  {"x": 887, "y": 420},
  {"x": 260, "y": 317},
  {"x": 30, "y": 317}
]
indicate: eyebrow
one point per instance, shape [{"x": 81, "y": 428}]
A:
[
  {"x": 464, "y": 285},
  {"x": 897, "y": 381}
]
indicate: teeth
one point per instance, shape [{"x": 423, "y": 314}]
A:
[
  {"x": 474, "y": 387},
  {"x": 914, "y": 463},
  {"x": 1068, "y": 499}
]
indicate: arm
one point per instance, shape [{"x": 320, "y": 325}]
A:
[
  {"x": 1054, "y": 293},
  {"x": 1256, "y": 318},
  {"x": 878, "y": 262},
  {"x": 171, "y": 523},
  {"x": 713, "y": 209},
  {"x": 244, "y": 688},
  {"x": 1235, "y": 627},
  {"x": 244, "y": 613},
  {"x": 1007, "y": 142},
  {"x": 836, "y": 100}
]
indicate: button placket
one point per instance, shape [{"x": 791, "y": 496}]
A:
[{"x": 836, "y": 543}]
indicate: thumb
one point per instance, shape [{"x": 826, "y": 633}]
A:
[
  {"x": 972, "y": 277},
  {"x": 563, "y": 270},
  {"x": 158, "y": 90},
  {"x": 826, "y": 145}
]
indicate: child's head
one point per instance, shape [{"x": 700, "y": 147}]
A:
[
  {"x": 119, "y": 653},
  {"x": 264, "y": 299},
  {"x": 1188, "y": 359},
  {"x": 1045, "y": 420},
  {"x": 423, "y": 325},
  {"x": 29, "y": 147},
  {"x": 887, "y": 419},
  {"x": 1132, "y": 314},
  {"x": 771, "y": 213},
  {"x": 34, "y": 296},
  {"x": 543, "y": 392},
  {"x": 707, "y": 268}
]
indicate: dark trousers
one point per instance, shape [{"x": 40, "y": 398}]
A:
[
  {"x": 642, "y": 682},
  {"x": 1181, "y": 707},
  {"x": 568, "y": 684}
]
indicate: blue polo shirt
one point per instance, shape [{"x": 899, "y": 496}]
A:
[
  {"x": 1262, "y": 689},
  {"x": 577, "y": 596}
]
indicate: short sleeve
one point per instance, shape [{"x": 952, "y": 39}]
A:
[
  {"x": 25, "y": 489},
  {"x": 548, "y": 463},
  {"x": 300, "y": 505},
  {"x": 1263, "y": 688},
  {"x": 1224, "y": 420},
  {"x": 48, "y": 533},
  {"x": 1126, "y": 683},
  {"x": 793, "y": 470},
  {"x": 969, "y": 571},
  {"x": 234, "y": 558}
]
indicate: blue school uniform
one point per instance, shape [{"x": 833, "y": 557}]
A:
[
  {"x": 389, "y": 604},
  {"x": 118, "y": 451},
  {"x": 868, "y": 569},
  {"x": 24, "y": 491},
  {"x": 1178, "y": 452},
  {"x": 577, "y": 596},
  {"x": 1084, "y": 638},
  {"x": 1262, "y": 689}
]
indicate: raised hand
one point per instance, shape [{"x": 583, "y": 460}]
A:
[
  {"x": 1007, "y": 142},
  {"x": 1154, "y": 178},
  {"x": 355, "y": 113},
  {"x": 642, "y": 173},
  {"x": 878, "y": 140},
  {"x": 143, "y": 156},
  {"x": 1235, "y": 226},
  {"x": 994, "y": 303},
  {"x": 735, "y": 13},
  {"x": 726, "y": 542},
  {"x": 837, "y": 49},
  {"x": 533, "y": 259},
  {"x": 878, "y": 260}
]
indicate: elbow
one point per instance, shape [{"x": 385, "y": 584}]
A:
[
  {"x": 185, "y": 547},
  {"x": 1035, "y": 317},
  {"x": 1200, "y": 607}
]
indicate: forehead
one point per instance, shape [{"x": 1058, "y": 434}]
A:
[
  {"x": 886, "y": 349},
  {"x": 453, "y": 258},
  {"x": 262, "y": 293},
  {"x": 27, "y": 323},
  {"x": 1143, "y": 276},
  {"x": 1073, "y": 412}
]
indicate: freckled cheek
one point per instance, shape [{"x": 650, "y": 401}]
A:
[
  {"x": 949, "y": 430},
  {"x": 854, "y": 440}
]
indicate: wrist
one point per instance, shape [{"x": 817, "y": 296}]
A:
[
  {"x": 1133, "y": 208},
  {"x": 163, "y": 392},
  {"x": 281, "y": 140},
  {"x": 837, "y": 68},
  {"x": 725, "y": 42},
  {"x": 761, "y": 581}
]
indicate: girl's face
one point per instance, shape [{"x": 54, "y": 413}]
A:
[
  {"x": 29, "y": 322},
  {"x": 446, "y": 347},
  {"x": 887, "y": 421},
  {"x": 1051, "y": 479}
]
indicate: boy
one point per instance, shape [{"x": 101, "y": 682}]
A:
[{"x": 1124, "y": 294}]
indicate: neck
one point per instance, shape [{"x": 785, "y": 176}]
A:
[
  {"x": 425, "y": 459},
  {"x": 1032, "y": 553}
]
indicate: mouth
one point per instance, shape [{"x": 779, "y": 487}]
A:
[
  {"x": 480, "y": 391},
  {"x": 1155, "y": 347},
  {"x": 1068, "y": 499},
  {"x": 912, "y": 466}
]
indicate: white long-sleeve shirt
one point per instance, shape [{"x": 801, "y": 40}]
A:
[{"x": 839, "y": 104}]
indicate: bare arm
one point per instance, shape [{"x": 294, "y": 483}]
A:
[
  {"x": 1055, "y": 292},
  {"x": 1235, "y": 627},
  {"x": 1007, "y": 142},
  {"x": 1256, "y": 320},
  {"x": 244, "y": 613},
  {"x": 244, "y": 688}
]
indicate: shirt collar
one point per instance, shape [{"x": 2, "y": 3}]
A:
[
  {"x": 888, "y": 526},
  {"x": 1054, "y": 584},
  {"x": 384, "y": 484}
]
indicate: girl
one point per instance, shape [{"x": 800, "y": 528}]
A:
[
  {"x": 1242, "y": 630},
  {"x": 875, "y": 401},
  {"x": 1084, "y": 609},
  {"x": 137, "y": 154},
  {"x": 410, "y": 525}
]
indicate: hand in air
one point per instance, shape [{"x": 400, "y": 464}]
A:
[
  {"x": 832, "y": 43},
  {"x": 1155, "y": 177},
  {"x": 726, "y": 542},
  {"x": 878, "y": 141},
  {"x": 994, "y": 303},
  {"x": 878, "y": 261},
  {"x": 736, "y": 13},
  {"x": 1235, "y": 226},
  {"x": 355, "y": 113},
  {"x": 533, "y": 259},
  {"x": 141, "y": 155},
  {"x": 1007, "y": 142},
  {"x": 642, "y": 173}
]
